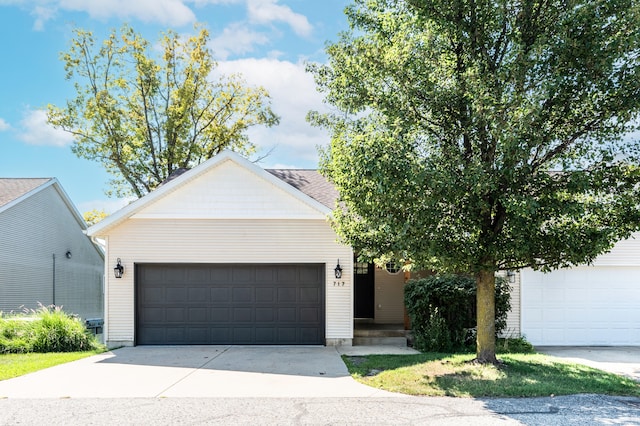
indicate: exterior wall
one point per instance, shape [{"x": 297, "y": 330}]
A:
[
  {"x": 624, "y": 253},
  {"x": 225, "y": 241},
  {"x": 34, "y": 232},
  {"x": 389, "y": 297},
  {"x": 513, "y": 328},
  {"x": 228, "y": 191}
]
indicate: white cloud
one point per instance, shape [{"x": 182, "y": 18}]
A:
[
  {"x": 4, "y": 125},
  {"x": 267, "y": 11},
  {"x": 167, "y": 12},
  {"x": 35, "y": 130},
  {"x": 293, "y": 94},
  {"x": 236, "y": 39}
]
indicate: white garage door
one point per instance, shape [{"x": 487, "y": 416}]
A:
[{"x": 582, "y": 306}]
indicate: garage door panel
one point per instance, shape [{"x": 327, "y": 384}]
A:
[
  {"x": 221, "y": 295},
  {"x": 310, "y": 295},
  {"x": 220, "y": 315},
  {"x": 243, "y": 275},
  {"x": 243, "y": 294},
  {"x": 287, "y": 315},
  {"x": 179, "y": 294},
  {"x": 309, "y": 315},
  {"x": 265, "y": 295},
  {"x": 287, "y": 295},
  {"x": 176, "y": 315},
  {"x": 265, "y": 315}
]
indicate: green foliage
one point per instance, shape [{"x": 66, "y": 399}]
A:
[
  {"x": 452, "y": 120},
  {"x": 442, "y": 309},
  {"x": 94, "y": 216},
  {"x": 514, "y": 345},
  {"x": 48, "y": 329},
  {"x": 145, "y": 110}
]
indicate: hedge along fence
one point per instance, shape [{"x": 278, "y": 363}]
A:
[
  {"x": 442, "y": 309},
  {"x": 47, "y": 329}
]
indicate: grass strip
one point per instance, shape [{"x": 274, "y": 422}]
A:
[
  {"x": 520, "y": 375},
  {"x": 14, "y": 365}
]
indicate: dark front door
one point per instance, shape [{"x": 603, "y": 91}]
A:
[
  {"x": 363, "y": 297},
  {"x": 195, "y": 304}
]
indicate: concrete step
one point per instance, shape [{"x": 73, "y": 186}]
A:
[
  {"x": 379, "y": 333},
  {"x": 379, "y": 341}
]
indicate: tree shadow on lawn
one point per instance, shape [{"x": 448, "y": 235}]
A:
[{"x": 520, "y": 375}]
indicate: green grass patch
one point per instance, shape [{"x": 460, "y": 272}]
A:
[
  {"x": 520, "y": 375},
  {"x": 14, "y": 365},
  {"x": 47, "y": 329}
]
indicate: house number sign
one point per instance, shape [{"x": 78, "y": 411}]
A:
[{"x": 338, "y": 283}]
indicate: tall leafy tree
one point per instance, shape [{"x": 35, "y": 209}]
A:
[
  {"x": 484, "y": 135},
  {"x": 145, "y": 110}
]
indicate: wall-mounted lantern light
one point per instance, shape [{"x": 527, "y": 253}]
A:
[
  {"x": 68, "y": 254},
  {"x": 118, "y": 270},
  {"x": 511, "y": 275},
  {"x": 338, "y": 270}
]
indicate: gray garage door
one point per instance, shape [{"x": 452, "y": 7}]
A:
[{"x": 229, "y": 304}]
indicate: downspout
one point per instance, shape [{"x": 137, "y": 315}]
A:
[
  {"x": 105, "y": 301},
  {"x": 54, "y": 279}
]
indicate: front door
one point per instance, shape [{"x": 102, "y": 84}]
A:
[{"x": 363, "y": 297}]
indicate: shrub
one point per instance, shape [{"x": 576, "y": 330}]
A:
[
  {"x": 449, "y": 302},
  {"x": 47, "y": 329},
  {"x": 514, "y": 345}
]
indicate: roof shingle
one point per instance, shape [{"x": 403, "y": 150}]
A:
[
  {"x": 13, "y": 188},
  {"x": 310, "y": 182}
]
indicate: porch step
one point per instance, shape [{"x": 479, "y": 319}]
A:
[
  {"x": 379, "y": 341},
  {"x": 369, "y": 334}
]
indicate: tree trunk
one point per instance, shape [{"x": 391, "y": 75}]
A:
[{"x": 486, "y": 317}]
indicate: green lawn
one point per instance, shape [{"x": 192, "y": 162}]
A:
[
  {"x": 521, "y": 375},
  {"x": 14, "y": 365}
]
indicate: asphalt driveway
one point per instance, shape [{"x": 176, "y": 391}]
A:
[{"x": 196, "y": 371}]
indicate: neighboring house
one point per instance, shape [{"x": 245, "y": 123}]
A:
[
  {"x": 44, "y": 255},
  {"x": 230, "y": 253}
]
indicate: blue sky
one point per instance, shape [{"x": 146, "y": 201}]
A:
[{"x": 268, "y": 41}]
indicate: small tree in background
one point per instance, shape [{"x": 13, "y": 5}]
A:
[{"x": 144, "y": 115}]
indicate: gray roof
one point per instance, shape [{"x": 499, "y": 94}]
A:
[
  {"x": 310, "y": 182},
  {"x": 13, "y": 188}
]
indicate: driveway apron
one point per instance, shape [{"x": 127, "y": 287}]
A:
[
  {"x": 622, "y": 360},
  {"x": 196, "y": 371}
]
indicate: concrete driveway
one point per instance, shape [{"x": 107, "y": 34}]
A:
[
  {"x": 196, "y": 371},
  {"x": 624, "y": 360}
]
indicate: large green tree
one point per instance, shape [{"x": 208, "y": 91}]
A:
[
  {"x": 484, "y": 135},
  {"x": 145, "y": 110}
]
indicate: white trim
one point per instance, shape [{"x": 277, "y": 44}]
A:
[{"x": 171, "y": 186}]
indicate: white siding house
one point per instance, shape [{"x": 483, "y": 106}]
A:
[
  {"x": 226, "y": 218},
  {"x": 44, "y": 255}
]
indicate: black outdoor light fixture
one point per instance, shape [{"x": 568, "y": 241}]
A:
[
  {"x": 118, "y": 270},
  {"x": 338, "y": 270}
]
